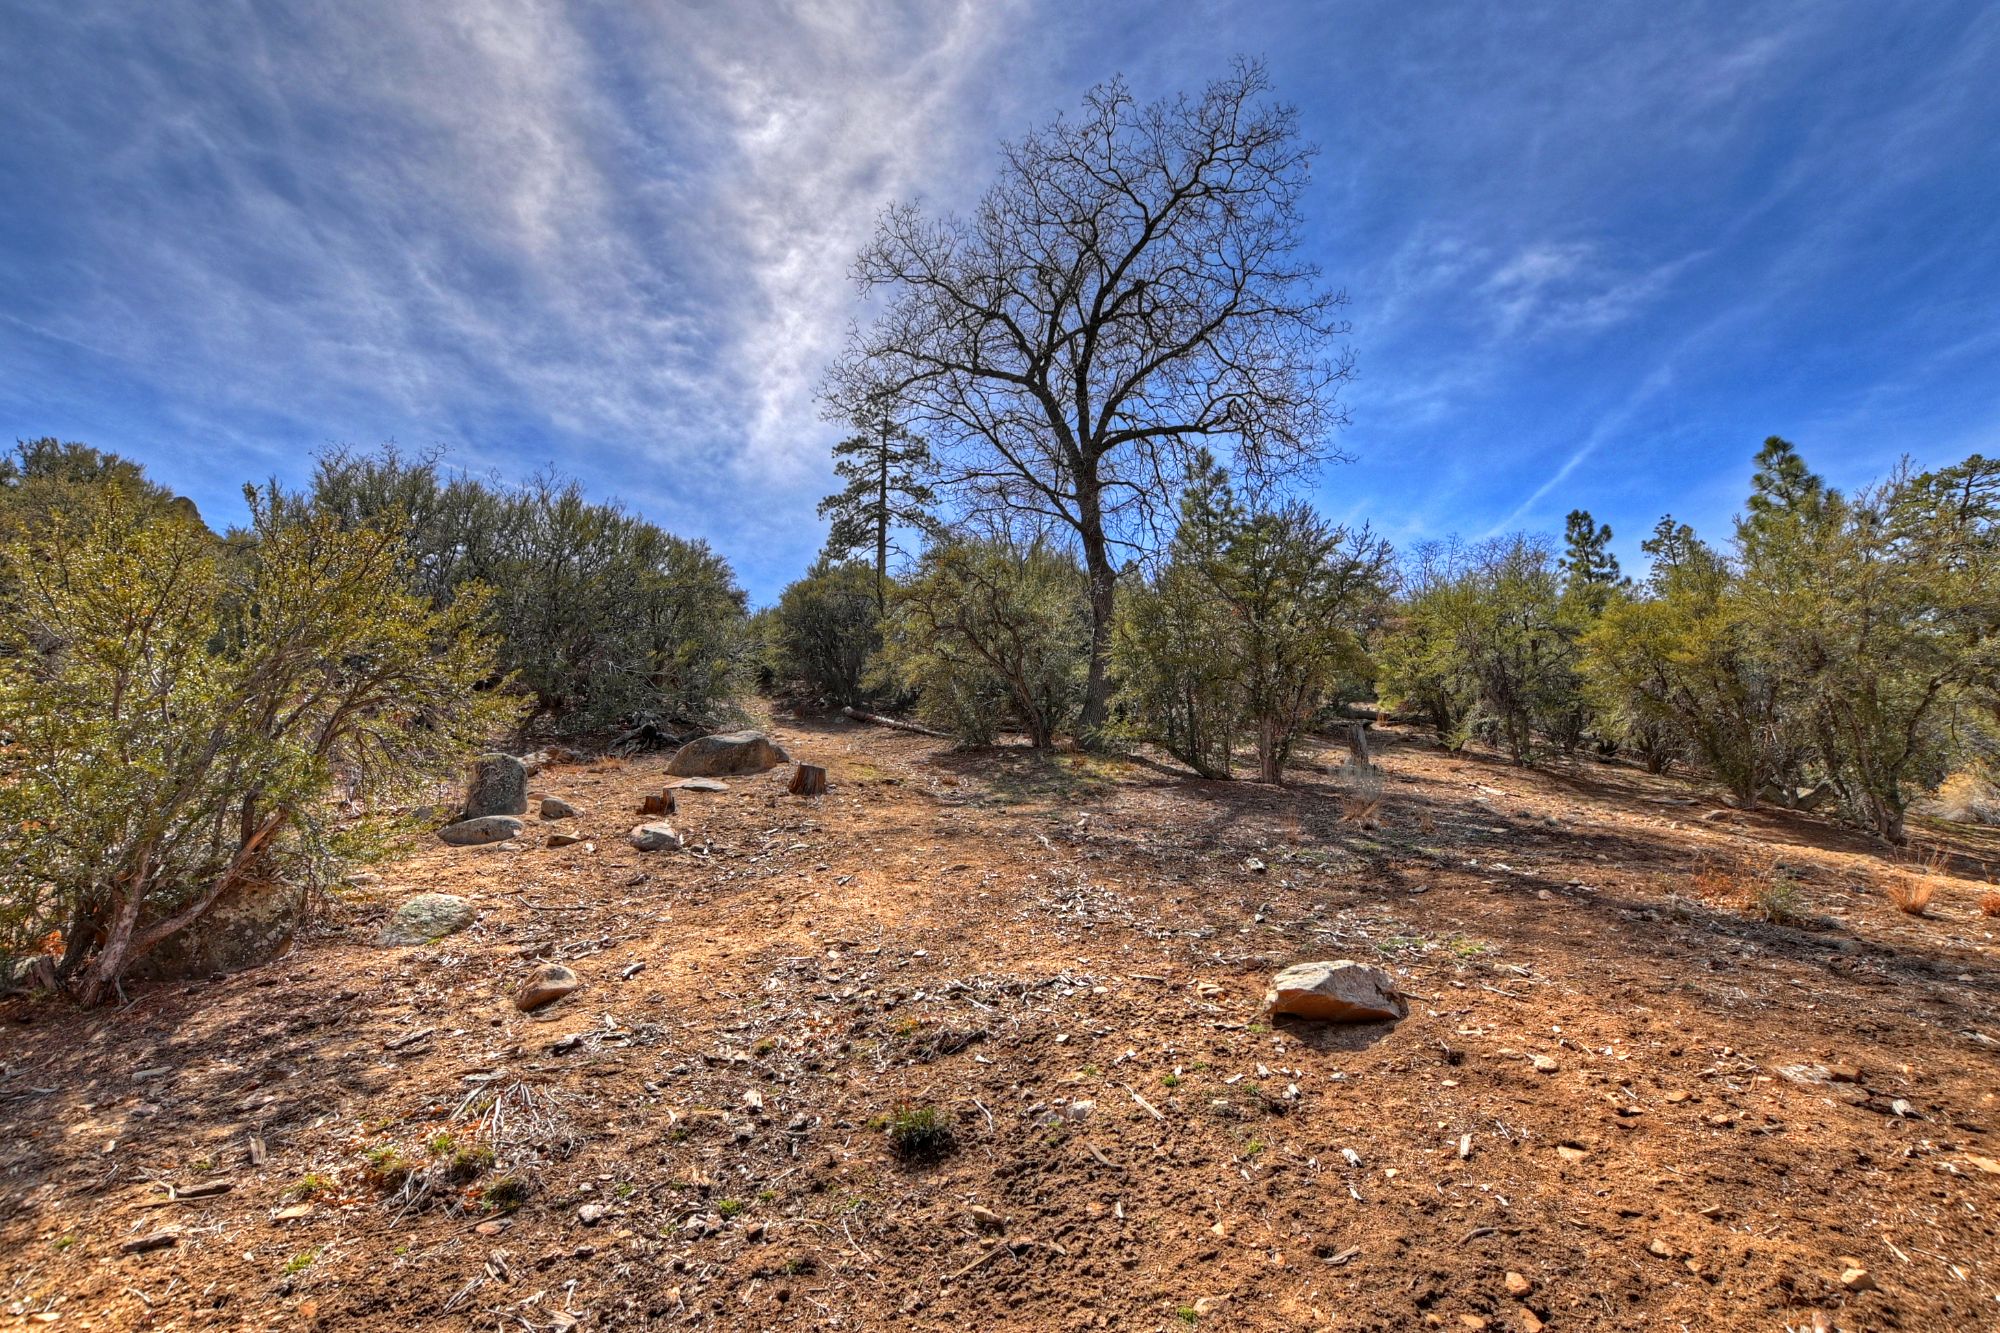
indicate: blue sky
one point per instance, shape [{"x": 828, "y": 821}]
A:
[{"x": 1594, "y": 252}]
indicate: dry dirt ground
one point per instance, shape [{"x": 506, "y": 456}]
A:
[{"x": 1621, "y": 1100}]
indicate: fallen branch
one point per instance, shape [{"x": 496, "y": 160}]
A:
[{"x": 880, "y": 721}]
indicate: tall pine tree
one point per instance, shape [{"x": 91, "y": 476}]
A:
[{"x": 884, "y": 466}]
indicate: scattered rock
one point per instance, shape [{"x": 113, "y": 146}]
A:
[
  {"x": 497, "y": 785},
  {"x": 1079, "y": 1110},
  {"x": 1659, "y": 1249},
  {"x": 550, "y": 982},
  {"x": 1544, "y": 1064},
  {"x": 1337, "y": 992},
  {"x": 730, "y": 752},
  {"x": 564, "y": 839},
  {"x": 1519, "y": 1284},
  {"x": 698, "y": 784},
  {"x": 481, "y": 831},
  {"x": 1839, "y": 1073},
  {"x": 554, "y": 807},
  {"x": 654, "y": 838},
  {"x": 591, "y": 1214},
  {"x": 1857, "y": 1279},
  {"x": 426, "y": 917}
]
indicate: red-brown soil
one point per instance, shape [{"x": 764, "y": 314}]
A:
[{"x": 1000, "y": 935}]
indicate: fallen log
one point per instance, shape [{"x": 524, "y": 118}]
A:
[{"x": 899, "y": 725}]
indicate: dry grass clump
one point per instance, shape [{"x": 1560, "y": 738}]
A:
[
  {"x": 1912, "y": 894},
  {"x": 1752, "y": 882},
  {"x": 1989, "y": 904},
  {"x": 1361, "y": 799}
]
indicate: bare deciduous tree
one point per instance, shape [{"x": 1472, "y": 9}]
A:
[{"x": 1127, "y": 292}]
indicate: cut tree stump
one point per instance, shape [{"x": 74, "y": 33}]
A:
[
  {"x": 808, "y": 780},
  {"x": 660, "y": 803}
]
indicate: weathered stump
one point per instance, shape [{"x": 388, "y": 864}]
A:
[
  {"x": 659, "y": 803},
  {"x": 808, "y": 780}
]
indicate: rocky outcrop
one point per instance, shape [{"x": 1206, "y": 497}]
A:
[
  {"x": 496, "y": 785},
  {"x": 426, "y": 917},
  {"x": 481, "y": 831},
  {"x": 730, "y": 752}
]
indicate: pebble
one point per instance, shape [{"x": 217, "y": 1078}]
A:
[{"x": 1519, "y": 1284}]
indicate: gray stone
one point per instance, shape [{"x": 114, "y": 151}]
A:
[
  {"x": 251, "y": 923},
  {"x": 698, "y": 784},
  {"x": 478, "y": 832},
  {"x": 1337, "y": 992},
  {"x": 426, "y": 917},
  {"x": 654, "y": 838},
  {"x": 554, "y": 807},
  {"x": 550, "y": 982},
  {"x": 730, "y": 752},
  {"x": 496, "y": 785}
]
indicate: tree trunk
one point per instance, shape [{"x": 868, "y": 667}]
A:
[
  {"x": 882, "y": 528},
  {"x": 109, "y": 964},
  {"x": 1103, "y": 594}
]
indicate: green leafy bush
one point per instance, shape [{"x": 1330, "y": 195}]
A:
[{"x": 180, "y": 711}]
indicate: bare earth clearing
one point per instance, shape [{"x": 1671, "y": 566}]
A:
[{"x": 1728, "y": 1113}]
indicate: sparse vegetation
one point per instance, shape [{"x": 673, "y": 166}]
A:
[{"x": 921, "y": 1134}]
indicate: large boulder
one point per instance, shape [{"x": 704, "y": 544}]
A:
[
  {"x": 729, "y": 752},
  {"x": 426, "y": 917},
  {"x": 478, "y": 832},
  {"x": 1337, "y": 992},
  {"x": 250, "y": 924},
  {"x": 496, "y": 785}
]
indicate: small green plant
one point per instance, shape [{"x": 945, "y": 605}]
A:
[
  {"x": 312, "y": 1184},
  {"x": 1777, "y": 900},
  {"x": 730, "y": 1207},
  {"x": 765, "y": 1196},
  {"x": 1186, "y": 1314},
  {"x": 387, "y": 1167},
  {"x": 1172, "y": 1080},
  {"x": 299, "y": 1263},
  {"x": 624, "y": 1190},
  {"x": 765, "y": 1045},
  {"x": 1088, "y": 1071},
  {"x": 1252, "y": 1148},
  {"x": 921, "y": 1133},
  {"x": 441, "y": 1144},
  {"x": 504, "y": 1192}
]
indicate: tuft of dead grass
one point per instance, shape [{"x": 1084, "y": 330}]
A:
[
  {"x": 1989, "y": 904},
  {"x": 1912, "y": 894},
  {"x": 1752, "y": 882}
]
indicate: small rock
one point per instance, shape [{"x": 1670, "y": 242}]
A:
[
  {"x": 550, "y": 982},
  {"x": 1839, "y": 1073},
  {"x": 1530, "y": 1321},
  {"x": 1857, "y": 1279},
  {"x": 158, "y": 1240},
  {"x": 1659, "y": 1249},
  {"x": 1569, "y": 1152},
  {"x": 554, "y": 807},
  {"x": 481, "y": 831},
  {"x": 1544, "y": 1064},
  {"x": 426, "y": 917},
  {"x": 1079, "y": 1110},
  {"x": 986, "y": 1218},
  {"x": 1336, "y": 992},
  {"x": 698, "y": 784},
  {"x": 591, "y": 1214},
  {"x": 655, "y": 837},
  {"x": 1519, "y": 1284},
  {"x": 497, "y": 785},
  {"x": 564, "y": 839}
]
